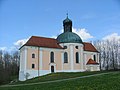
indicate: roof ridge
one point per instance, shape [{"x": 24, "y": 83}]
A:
[
  {"x": 42, "y": 37},
  {"x": 87, "y": 42},
  {"x": 91, "y": 61},
  {"x": 89, "y": 47},
  {"x": 43, "y": 42}
]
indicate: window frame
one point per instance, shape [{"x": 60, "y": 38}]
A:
[
  {"x": 77, "y": 57},
  {"x": 33, "y": 55},
  {"x": 94, "y": 57},
  {"x": 52, "y": 57},
  {"x": 33, "y": 66},
  {"x": 76, "y": 47},
  {"x": 65, "y": 57}
]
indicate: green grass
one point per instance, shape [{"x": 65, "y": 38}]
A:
[
  {"x": 109, "y": 81},
  {"x": 7, "y": 80},
  {"x": 58, "y": 76}
]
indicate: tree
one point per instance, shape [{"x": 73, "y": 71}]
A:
[
  {"x": 9, "y": 66},
  {"x": 109, "y": 53}
]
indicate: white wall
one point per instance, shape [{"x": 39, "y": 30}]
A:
[{"x": 70, "y": 49}]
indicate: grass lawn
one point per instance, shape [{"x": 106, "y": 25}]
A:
[
  {"x": 109, "y": 81},
  {"x": 58, "y": 76}
]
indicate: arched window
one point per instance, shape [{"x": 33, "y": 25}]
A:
[
  {"x": 77, "y": 57},
  {"x": 94, "y": 56},
  {"x": 52, "y": 57},
  {"x": 33, "y": 55},
  {"x": 65, "y": 57}
]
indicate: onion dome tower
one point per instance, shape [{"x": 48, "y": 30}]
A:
[{"x": 68, "y": 36}]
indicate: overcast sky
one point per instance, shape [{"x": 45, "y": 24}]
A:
[{"x": 92, "y": 19}]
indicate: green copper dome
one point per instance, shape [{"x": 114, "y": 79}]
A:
[{"x": 69, "y": 37}]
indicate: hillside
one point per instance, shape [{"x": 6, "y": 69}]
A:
[{"x": 109, "y": 81}]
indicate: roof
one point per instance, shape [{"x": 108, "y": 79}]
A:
[
  {"x": 89, "y": 47},
  {"x": 69, "y": 37},
  {"x": 67, "y": 20},
  {"x": 90, "y": 61},
  {"x": 53, "y": 43},
  {"x": 43, "y": 42}
]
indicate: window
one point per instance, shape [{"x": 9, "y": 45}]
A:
[
  {"x": 52, "y": 57},
  {"x": 65, "y": 47},
  {"x": 33, "y": 65},
  {"x": 65, "y": 57},
  {"x": 33, "y": 55},
  {"x": 76, "y": 47},
  {"x": 94, "y": 57},
  {"x": 77, "y": 57}
]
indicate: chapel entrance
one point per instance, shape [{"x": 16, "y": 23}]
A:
[{"x": 52, "y": 69}]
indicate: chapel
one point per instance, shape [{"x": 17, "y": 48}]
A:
[{"x": 67, "y": 53}]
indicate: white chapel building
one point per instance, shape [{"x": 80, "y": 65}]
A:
[{"x": 67, "y": 53}]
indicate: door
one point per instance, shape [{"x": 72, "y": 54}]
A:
[
  {"x": 52, "y": 69},
  {"x": 91, "y": 68}
]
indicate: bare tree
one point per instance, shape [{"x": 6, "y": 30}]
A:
[
  {"x": 9, "y": 66},
  {"x": 109, "y": 53}
]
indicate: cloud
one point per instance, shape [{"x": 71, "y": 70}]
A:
[
  {"x": 16, "y": 45},
  {"x": 61, "y": 31},
  {"x": 21, "y": 42},
  {"x": 83, "y": 33},
  {"x": 54, "y": 37},
  {"x": 113, "y": 36},
  {"x": 8, "y": 49},
  {"x": 12, "y": 48},
  {"x": 3, "y": 48}
]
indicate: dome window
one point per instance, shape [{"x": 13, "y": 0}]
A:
[
  {"x": 65, "y": 47},
  {"x": 76, "y": 47}
]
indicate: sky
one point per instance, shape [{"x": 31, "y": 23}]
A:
[{"x": 92, "y": 19}]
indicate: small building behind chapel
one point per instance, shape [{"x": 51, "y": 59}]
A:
[{"x": 67, "y": 53}]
